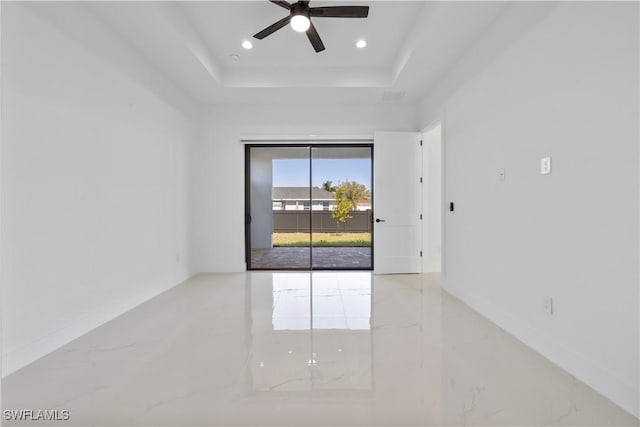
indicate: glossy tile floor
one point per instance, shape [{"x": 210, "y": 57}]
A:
[{"x": 298, "y": 349}]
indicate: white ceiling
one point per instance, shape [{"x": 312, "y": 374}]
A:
[
  {"x": 411, "y": 46},
  {"x": 223, "y": 26}
]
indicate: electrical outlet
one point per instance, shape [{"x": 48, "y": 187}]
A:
[
  {"x": 545, "y": 166},
  {"x": 547, "y": 305}
]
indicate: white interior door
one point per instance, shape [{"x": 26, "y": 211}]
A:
[{"x": 397, "y": 167}]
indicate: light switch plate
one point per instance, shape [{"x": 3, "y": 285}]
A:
[{"x": 545, "y": 165}]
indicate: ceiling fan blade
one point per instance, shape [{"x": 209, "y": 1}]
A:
[
  {"x": 339, "y": 12},
  {"x": 280, "y": 3},
  {"x": 314, "y": 38},
  {"x": 273, "y": 28}
]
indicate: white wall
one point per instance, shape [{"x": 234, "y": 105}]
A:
[
  {"x": 567, "y": 89},
  {"x": 95, "y": 180},
  {"x": 261, "y": 199},
  {"x": 219, "y": 241}
]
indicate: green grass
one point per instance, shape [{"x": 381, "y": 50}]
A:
[{"x": 322, "y": 239}]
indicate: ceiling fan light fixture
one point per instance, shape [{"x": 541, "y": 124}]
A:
[
  {"x": 300, "y": 23},
  {"x": 300, "y": 15}
]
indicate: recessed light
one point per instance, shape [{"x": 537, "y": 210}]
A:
[
  {"x": 234, "y": 57},
  {"x": 247, "y": 44},
  {"x": 361, "y": 44}
]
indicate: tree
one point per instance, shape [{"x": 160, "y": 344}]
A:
[
  {"x": 328, "y": 186},
  {"x": 354, "y": 192},
  {"x": 342, "y": 208}
]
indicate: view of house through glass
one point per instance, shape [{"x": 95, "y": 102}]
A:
[{"x": 309, "y": 207}]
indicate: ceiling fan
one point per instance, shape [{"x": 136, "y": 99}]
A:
[{"x": 300, "y": 15}]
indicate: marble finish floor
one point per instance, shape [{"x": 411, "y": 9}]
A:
[
  {"x": 304, "y": 349},
  {"x": 292, "y": 257}
]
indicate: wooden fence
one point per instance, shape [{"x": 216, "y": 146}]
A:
[{"x": 321, "y": 221}]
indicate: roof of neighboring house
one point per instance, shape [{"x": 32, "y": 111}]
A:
[{"x": 300, "y": 193}]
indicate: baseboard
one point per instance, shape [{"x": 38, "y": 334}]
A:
[
  {"x": 235, "y": 268},
  {"x": 600, "y": 379},
  {"x": 29, "y": 353}
]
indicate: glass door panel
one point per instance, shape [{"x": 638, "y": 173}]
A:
[
  {"x": 341, "y": 203},
  {"x": 279, "y": 207}
]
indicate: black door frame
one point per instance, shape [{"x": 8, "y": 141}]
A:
[{"x": 247, "y": 202}]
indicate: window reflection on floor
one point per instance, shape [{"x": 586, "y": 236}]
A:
[
  {"x": 311, "y": 331},
  {"x": 291, "y": 301},
  {"x": 321, "y": 301}
]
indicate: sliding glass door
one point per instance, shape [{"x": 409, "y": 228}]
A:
[{"x": 309, "y": 207}]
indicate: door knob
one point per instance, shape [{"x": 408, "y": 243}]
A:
[{"x": 379, "y": 220}]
